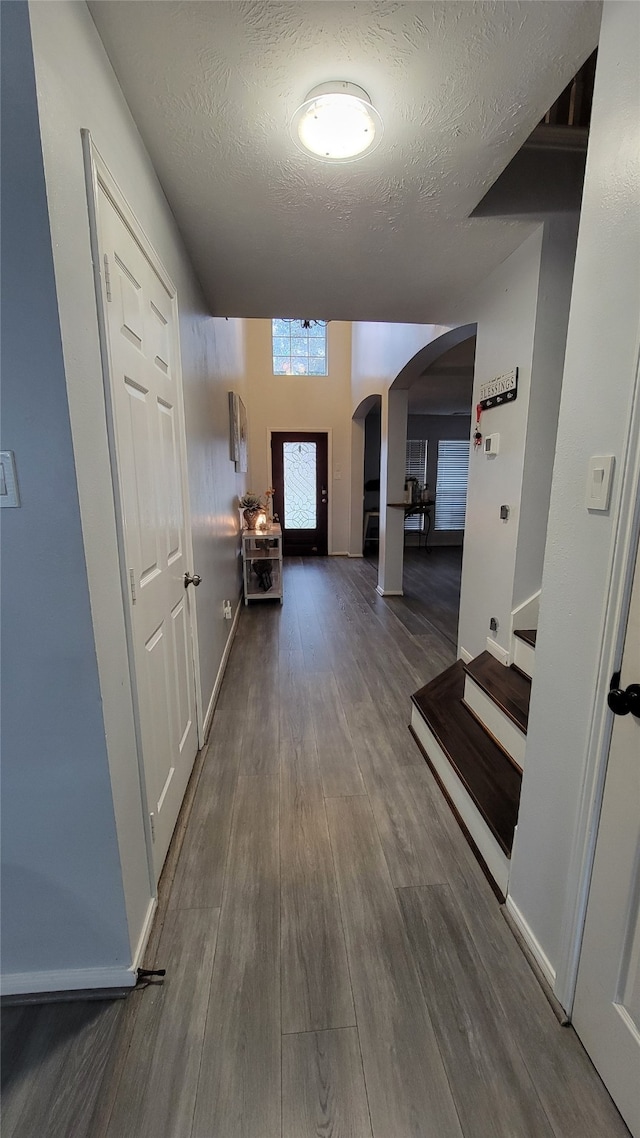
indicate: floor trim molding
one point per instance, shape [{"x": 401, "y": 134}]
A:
[
  {"x": 67, "y": 980},
  {"x": 208, "y": 719},
  {"x": 535, "y": 948}
]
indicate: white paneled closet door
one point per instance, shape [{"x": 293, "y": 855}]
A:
[
  {"x": 606, "y": 1012},
  {"x": 146, "y": 395}
]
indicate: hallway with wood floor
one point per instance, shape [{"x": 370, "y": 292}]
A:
[{"x": 337, "y": 964}]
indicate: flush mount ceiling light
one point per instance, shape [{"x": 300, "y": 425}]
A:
[{"x": 337, "y": 123}]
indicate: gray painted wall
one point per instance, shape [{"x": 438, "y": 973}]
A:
[
  {"x": 62, "y": 894},
  {"x": 77, "y": 890}
]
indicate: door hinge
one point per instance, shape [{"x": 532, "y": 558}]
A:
[
  {"x": 107, "y": 277},
  {"x": 132, "y": 582},
  {"x": 152, "y": 820}
]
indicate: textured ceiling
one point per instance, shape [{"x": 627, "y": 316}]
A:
[{"x": 213, "y": 86}]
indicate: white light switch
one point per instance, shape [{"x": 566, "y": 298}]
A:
[
  {"x": 599, "y": 478},
  {"x": 8, "y": 481}
]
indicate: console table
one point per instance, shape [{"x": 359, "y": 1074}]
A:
[
  {"x": 413, "y": 508},
  {"x": 262, "y": 564}
]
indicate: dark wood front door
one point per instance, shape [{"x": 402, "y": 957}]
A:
[{"x": 300, "y": 480}]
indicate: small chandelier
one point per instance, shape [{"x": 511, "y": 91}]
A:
[
  {"x": 313, "y": 323},
  {"x": 337, "y": 123}
]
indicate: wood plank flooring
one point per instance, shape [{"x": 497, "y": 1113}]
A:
[{"x": 337, "y": 965}]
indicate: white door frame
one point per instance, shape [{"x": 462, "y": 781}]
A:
[
  {"x": 615, "y": 623},
  {"x": 98, "y": 175}
]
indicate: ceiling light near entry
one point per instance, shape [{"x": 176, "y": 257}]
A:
[{"x": 337, "y": 123}]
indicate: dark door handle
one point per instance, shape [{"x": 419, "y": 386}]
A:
[
  {"x": 623, "y": 700},
  {"x": 192, "y": 579}
]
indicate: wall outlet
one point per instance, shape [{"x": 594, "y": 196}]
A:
[{"x": 226, "y": 610}]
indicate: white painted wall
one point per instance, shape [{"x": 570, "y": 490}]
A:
[
  {"x": 62, "y": 893},
  {"x": 600, "y": 366},
  {"x": 380, "y": 351},
  {"x": 393, "y": 437},
  {"x": 77, "y": 88},
  {"x": 554, "y": 297},
  {"x": 504, "y": 306},
  {"x": 303, "y": 403},
  {"x": 521, "y": 312}
]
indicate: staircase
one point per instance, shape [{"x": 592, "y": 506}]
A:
[{"x": 470, "y": 723}]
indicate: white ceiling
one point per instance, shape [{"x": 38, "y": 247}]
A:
[{"x": 213, "y": 86}]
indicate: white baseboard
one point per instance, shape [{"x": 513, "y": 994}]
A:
[
  {"x": 538, "y": 953},
  {"x": 389, "y": 592},
  {"x": 144, "y": 934},
  {"x": 339, "y": 553},
  {"x": 465, "y": 656},
  {"x": 221, "y": 670},
  {"x": 494, "y": 856},
  {"x": 498, "y": 651},
  {"x": 360, "y": 555},
  {"x": 67, "y": 980}
]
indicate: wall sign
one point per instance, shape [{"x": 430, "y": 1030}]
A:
[{"x": 496, "y": 392}]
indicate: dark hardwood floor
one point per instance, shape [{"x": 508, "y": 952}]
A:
[
  {"x": 431, "y": 583},
  {"x": 337, "y": 964}
]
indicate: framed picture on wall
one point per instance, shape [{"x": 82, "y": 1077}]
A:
[
  {"x": 234, "y": 427},
  {"x": 241, "y": 461}
]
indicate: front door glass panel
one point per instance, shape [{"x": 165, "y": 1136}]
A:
[{"x": 300, "y": 503}]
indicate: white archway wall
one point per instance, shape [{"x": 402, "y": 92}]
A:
[
  {"x": 393, "y": 435},
  {"x": 521, "y": 313}
]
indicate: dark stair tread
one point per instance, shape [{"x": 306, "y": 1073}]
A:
[
  {"x": 526, "y": 634},
  {"x": 484, "y": 769},
  {"x": 509, "y": 688}
]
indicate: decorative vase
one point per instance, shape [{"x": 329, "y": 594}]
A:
[{"x": 251, "y": 515}]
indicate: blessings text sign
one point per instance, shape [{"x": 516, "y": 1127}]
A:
[{"x": 496, "y": 392}]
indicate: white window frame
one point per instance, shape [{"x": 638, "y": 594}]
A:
[{"x": 301, "y": 332}]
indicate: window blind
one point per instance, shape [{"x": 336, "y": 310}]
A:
[
  {"x": 416, "y": 467},
  {"x": 451, "y": 487}
]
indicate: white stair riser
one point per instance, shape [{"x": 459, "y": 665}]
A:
[
  {"x": 524, "y": 656},
  {"x": 510, "y": 737},
  {"x": 494, "y": 856}
]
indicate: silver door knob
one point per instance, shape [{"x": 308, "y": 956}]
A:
[{"x": 192, "y": 579}]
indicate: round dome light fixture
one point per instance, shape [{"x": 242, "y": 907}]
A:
[{"x": 337, "y": 123}]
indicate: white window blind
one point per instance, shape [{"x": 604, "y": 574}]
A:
[
  {"x": 451, "y": 487},
  {"x": 416, "y": 467}
]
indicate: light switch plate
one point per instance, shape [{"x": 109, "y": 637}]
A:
[
  {"x": 599, "y": 479},
  {"x": 9, "y": 495}
]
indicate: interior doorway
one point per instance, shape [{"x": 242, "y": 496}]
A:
[
  {"x": 147, "y": 439},
  {"x": 606, "y": 1013},
  {"x": 299, "y": 464},
  {"x": 437, "y": 460}
]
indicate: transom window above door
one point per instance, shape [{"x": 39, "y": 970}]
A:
[{"x": 298, "y": 350}]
